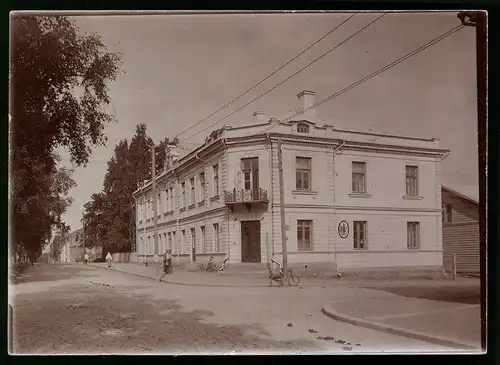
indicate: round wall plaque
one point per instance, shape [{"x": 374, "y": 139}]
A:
[{"x": 343, "y": 229}]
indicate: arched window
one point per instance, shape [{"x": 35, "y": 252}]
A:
[{"x": 303, "y": 128}]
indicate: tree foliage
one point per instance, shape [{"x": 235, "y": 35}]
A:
[
  {"x": 109, "y": 215},
  {"x": 58, "y": 83}
]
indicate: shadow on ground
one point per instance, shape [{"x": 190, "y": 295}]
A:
[
  {"x": 91, "y": 318},
  {"x": 467, "y": 294},
  {"x": 39, "y": 273}
]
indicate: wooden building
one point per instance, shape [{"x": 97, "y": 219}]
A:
[{"x": 460, "y": 230}]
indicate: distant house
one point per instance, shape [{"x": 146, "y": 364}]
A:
[
  {"x": 460, "y": 229},
  {"x": 72, "y": 249}
]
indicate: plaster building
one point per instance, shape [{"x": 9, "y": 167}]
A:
[
  {"x": 72, "y": 249},
  {"x": 357, "y": 200},
  {"x": 461, "y": 229}
]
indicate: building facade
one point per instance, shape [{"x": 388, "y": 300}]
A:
[
  {"x": 351, "y": 199},
  {"x": 460, "y": 231},
  {"x": 72, "y": 248}
]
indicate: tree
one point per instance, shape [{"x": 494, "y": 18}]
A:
[
  {"x": 110, "y": 214},
  {"x": 59, "y": 89}
]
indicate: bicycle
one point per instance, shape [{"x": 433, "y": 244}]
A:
[
  {"x": 209, "y": 268},
  {"x": 278, "y": 276}
]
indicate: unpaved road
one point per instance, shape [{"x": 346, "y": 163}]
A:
[{"x": 75, "y": 309}]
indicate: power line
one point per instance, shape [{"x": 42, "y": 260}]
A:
[
  {"x": 267, "y": 77},
  {"x": 376, "y": 73},
  {"x": 288, "y": 78}
]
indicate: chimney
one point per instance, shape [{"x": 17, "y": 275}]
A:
[
  {"x": 170, "y": 155},
  {"x": 306, "y": 100},
  {"x": 260, "y": 117}
]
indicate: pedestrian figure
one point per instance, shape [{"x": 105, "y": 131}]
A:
[
  {"x": 167, "y": 263},
  {"x": 86, "y": 259},
  {"x": 109, "y": 259}
]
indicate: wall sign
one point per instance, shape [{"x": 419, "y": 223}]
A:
[{"x": 343, "y": 229}]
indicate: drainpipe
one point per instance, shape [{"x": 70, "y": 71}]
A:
[
  {"x": 271, "y": 190},
  {"x": 446, "y": 154},
  {"x": 136, "y": 224},
  {"x": 177, "y": 223},
  {"x": 337, "y": 271},
  {"x": 228, "y": 215}
]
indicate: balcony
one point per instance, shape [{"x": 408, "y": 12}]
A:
[{"x": 245, "y": 197}]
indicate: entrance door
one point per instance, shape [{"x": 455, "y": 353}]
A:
[{"x": 250, "y": 241}]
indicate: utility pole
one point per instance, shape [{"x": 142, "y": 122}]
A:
[
  {"x": 477, "y": 19},
  {"x": 155, "y": 216},
  {"x": 83, "y": 224},
  {"x": 282, "y": 213}
]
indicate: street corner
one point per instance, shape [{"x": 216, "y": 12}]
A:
[{"x": 446, "y": 324}]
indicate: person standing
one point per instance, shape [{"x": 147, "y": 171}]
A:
[
  {"x": 167, "y": 263},
  {"x": 86, "y": 258},
  {"x": 109, "y": 259}
]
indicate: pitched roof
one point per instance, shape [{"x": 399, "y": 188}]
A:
[{"x": 467, "y": 192}]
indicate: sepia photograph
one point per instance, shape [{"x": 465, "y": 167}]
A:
[{"x": 246, "y": 183}]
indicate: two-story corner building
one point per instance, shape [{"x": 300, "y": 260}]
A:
[{"x": 351, "y": 199}]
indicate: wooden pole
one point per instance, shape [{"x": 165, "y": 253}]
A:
[
  {"x": 482, "y": 99},
  {"x": 282, "y": 213},
  {"x": 155, "y": 215}
]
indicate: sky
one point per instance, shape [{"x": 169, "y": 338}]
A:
[{"x": 181, "y": 68}]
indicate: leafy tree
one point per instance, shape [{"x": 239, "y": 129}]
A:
[
  {"x": 59, "y": 89},
  {"x": 110, "y": 214}
]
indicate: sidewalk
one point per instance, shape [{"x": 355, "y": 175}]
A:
[
  {"x": 184, "y": 277},
  {"x": 442, "y": 323}
]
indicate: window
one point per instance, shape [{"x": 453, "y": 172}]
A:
[
  {"x": 193, "y": 192},
  {"x": 215, "y": 169},
  {"x": 183, "y": 187},
  {"x": 167, "y": 201},
  {"x": 446, "y": 213},
  {"x": 250, "y": 169},
  {"x": 358, "y": 177},
  {"x": 173, "y": 241},
  {"x": 165, "y": 242},
  {"x": 412, "y": 180},
  {"x": 303, "y": 173},
  {"x": 304, "y": 231},
  {"x": 413, "y": 233},
  {"x": 171, "y": 199},
  {"x": 216, "y": 237},
  {"x": 160, "y": 206},
  {"x": 183, "y": 242},
  {"x": 193, "y": 238},
  {"x": 302, "y": 128},
  {"x": 359, "y": 235},
  {"x": 202, "y": 186},
  {"x": 202, "y": 243},
  {"x": 169, "y": 240}
]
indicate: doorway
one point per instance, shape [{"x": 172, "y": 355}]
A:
[{"x": 250, "y": 241}]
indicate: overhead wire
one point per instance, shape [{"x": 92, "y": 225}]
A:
[
  {"x": 288, "y": 78},
  {"x": 267, "y": 77},
  {"x": 374, "y": 74}
]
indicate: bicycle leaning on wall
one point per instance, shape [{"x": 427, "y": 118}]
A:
[{"x": 276, "y": 275}]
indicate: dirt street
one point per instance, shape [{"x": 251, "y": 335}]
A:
[{"x": 76, "y": 309}]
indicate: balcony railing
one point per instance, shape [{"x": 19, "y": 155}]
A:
[{"x": 241, "y": 196}]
